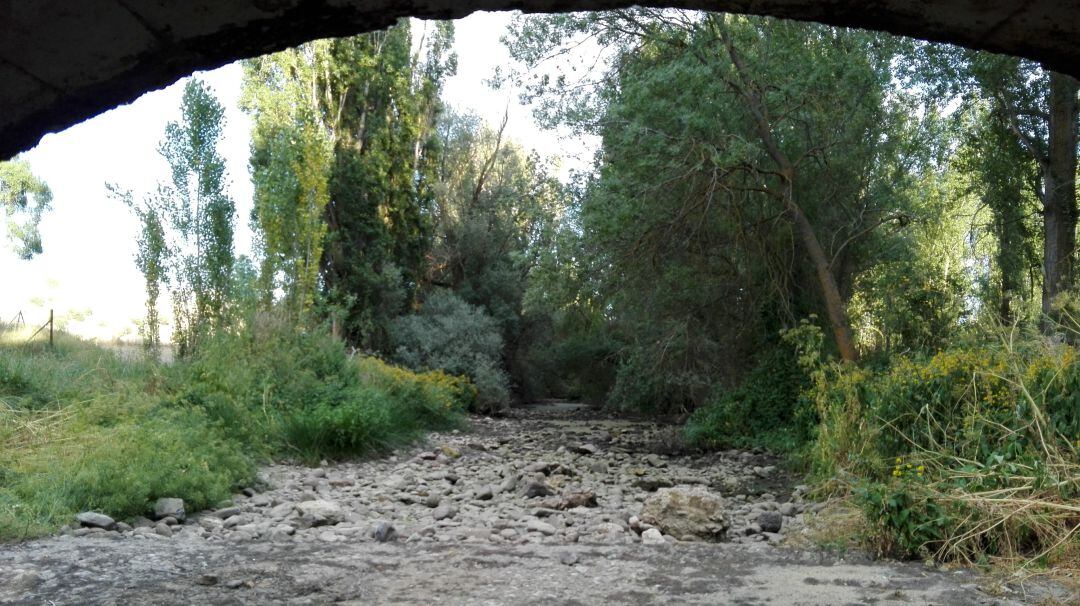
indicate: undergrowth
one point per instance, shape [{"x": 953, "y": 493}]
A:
[
  {"x": 767, "y": 410},
  {"x": 967, "y": 455},
  {"x": 83, "y": 428}
]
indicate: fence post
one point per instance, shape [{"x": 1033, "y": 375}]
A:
[{"x": 50, "y": 329}]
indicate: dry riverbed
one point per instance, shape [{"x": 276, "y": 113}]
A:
[{"x": 552, "y": 505}]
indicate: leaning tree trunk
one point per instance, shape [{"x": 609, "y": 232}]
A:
[
  {"x": 830, "y": 293},
  {"x": 1059, "y": 191},
  {"x": 834, "y": 303}
]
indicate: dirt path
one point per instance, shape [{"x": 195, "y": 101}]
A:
[{"x": 464, "y": 519}]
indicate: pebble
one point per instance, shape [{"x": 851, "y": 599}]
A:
[
  {"x": 227, "y": 512},
  {"x": 443, "y": 512}
]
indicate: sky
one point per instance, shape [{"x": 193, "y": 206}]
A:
[{"x": 87, "y": 271}]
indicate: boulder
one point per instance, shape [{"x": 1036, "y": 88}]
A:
[
  {"x": 169, "y": 507},
  {"x": 92, "y": 519},
  {"x": 320, "y": 512},
  {"x": 383, "y": 531},
  {"x": 652, "y": 536},
  {"x": 770, "y": 521},
  {"x": 687, "y": 513}
]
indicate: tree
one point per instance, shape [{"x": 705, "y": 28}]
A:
[
  {"x": 1040, "y": 110},
  {"x": 494, "y": 211},
  {"x": 187, "y": 225},
  {"x": 728, "y": 143},
  {"x": 997, "y": 169},
  {"x": 341, "y": 160},
  {"x": 24, "y": 198}
]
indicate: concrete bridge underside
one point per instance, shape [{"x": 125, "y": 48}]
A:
[{"x": 63, "y": 61}]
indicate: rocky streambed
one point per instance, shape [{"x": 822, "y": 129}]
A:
[{"x": 550, "y": 505}]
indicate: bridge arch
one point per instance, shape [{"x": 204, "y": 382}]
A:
[{"x": 62, "y": 62}]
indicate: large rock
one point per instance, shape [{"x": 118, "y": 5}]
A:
[
  {"x": 92, "y": 519},
  {"x": 170, "y": 507},
  {"x": 320, "y": 513},
  {"x": 536, "y": 489},
  {"x": 770, "y": 521},
  {"x": 383, "y": 531},
  {"x": 687, "y": 513},
  {"x": 571, "y": 500}
]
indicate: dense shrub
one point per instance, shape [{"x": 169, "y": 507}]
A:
[
  {"x": 966, "y": 453},
  {"x": 302, "y": 394},
  {"x": 768, "y": 409},
  {"x": 450, "y": 334}
]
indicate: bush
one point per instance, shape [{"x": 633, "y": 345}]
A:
[
  {"x": 766, "y": 410},
  {"x": 906, "y": 520},
  {"x": 289, "y": 393},
  {"x": 451, "y": 335},
  {"x": 390, "y": 406},
  {"x": 982, "y": 439}
]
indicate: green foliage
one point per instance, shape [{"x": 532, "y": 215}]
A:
[
  {"x": 186, "y": 241},
  {"x": 300, "y": 393},
  {"x": 342, "y": 157},
  {"x": 494, "y": 214},
  {"x": 906, "y": 521},
  {"x": 82, "y": 428},
  {"x": 686, "y": 244},
  {"x": 766, "y": 410},
  {"x": 963, "y": 454},
  {"x": 452, "y": 335},
  {"x": 23, "y": 199}
]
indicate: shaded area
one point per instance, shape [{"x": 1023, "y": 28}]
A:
[{"x": 58, "y": 70}]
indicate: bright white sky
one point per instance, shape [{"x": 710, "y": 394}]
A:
[{"x": 87, "y": 268}]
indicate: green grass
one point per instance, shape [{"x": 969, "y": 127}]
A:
[{"x": 83, "y": 428}]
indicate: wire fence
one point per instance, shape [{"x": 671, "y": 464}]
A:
[{"x": 19, "y": 323}]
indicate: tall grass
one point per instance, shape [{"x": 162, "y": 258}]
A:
[
  {"x": 84, "y": 428},
  {"x": 969, "y": 454}
]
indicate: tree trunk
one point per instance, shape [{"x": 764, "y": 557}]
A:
[
  {"x": 830, "y": 293},
  {"x": 1059, "y": 187},
  {"x": 834, "y": 303}
]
